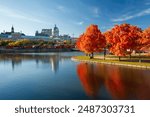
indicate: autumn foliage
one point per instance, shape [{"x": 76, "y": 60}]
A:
[
  {"x": 91, "y": 41},
  {"x": 123, "y": 39},
  {"x": 146, "y": 39}
]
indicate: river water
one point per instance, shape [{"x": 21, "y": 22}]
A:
[{"x": 46, "y": 76}]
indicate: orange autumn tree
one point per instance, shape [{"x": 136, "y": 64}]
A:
[
  {"x": 123, "y": 39},
  {"x": 146, "y": 40},
  {"x": 91, "y": 41},
  {"x": 79, "y": 41}
]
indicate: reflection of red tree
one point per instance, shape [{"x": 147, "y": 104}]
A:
[
  {"x": 120, "y": 82},
  {"x": 126, "y": 83},
  {"x": 88, "y": 78},
  {"x": 114, "y": 83},
  {"x": 141, "y": 82}
]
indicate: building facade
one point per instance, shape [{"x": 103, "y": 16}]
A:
[
  {"x": 49, "y": 32},
  {"x": 44, "y": 32},
  {"x": 11, "y": 35},
  {"x": 56, "y": 31}
]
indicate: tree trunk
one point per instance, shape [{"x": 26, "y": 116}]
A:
[
  {"x": 119, "y": 58},
  {"x": 104, "y": 53},
  {"x": 140, "y": 57},
  {"x": 130, "y": 56},
  {"x": 91, "y": 55}
]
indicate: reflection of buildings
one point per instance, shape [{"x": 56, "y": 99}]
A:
[
  {"x": 53, "y": 60},
  {"x": 16, "y": 62},
  {"x": 54, "y": 63}
]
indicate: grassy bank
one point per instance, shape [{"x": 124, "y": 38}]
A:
[{"x": 125, "y": 62}]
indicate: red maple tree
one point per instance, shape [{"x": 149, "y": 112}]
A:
[
  {"x": 123, "y": 39},
  {"x": 91, "y": 41},
  {"x": 146, "y": 40}
]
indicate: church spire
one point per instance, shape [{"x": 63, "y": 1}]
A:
[{"x": 12, "y": 29}]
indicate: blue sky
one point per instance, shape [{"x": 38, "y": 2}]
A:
[{"x": 72, "y": 16}]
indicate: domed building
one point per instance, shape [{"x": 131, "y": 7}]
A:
[{"x": 56, "y": 31}]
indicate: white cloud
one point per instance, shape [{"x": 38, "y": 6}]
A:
[
  {"x": 80, "y": 23},
  {"x": 96, "y": 11},
  {"x": 128, "y": 17},
  {"x": 18, "y": 15}
]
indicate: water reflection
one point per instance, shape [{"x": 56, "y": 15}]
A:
[
  {"x": 89, "y": 78},
  {"x": 17, "y": 59},
  {"x": 30, "y": 76},
  {"x": 119, "y": 82}
]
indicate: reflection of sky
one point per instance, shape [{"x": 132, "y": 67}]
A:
[
  {"x": 31, "y": 82},
  {"x": 33, "y": 78}
]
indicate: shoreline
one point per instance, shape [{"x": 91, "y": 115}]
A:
[
  {"x": 6, "y": 51},
  {"x": 110, "y": 63}
]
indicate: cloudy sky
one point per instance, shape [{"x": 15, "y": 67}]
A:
[{"x": 72, "y": 16}]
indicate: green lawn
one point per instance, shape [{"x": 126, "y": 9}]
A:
[{"x": 125, "y": 60}]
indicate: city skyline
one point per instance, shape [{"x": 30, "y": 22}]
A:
[{"x": 72, "y": 17}]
